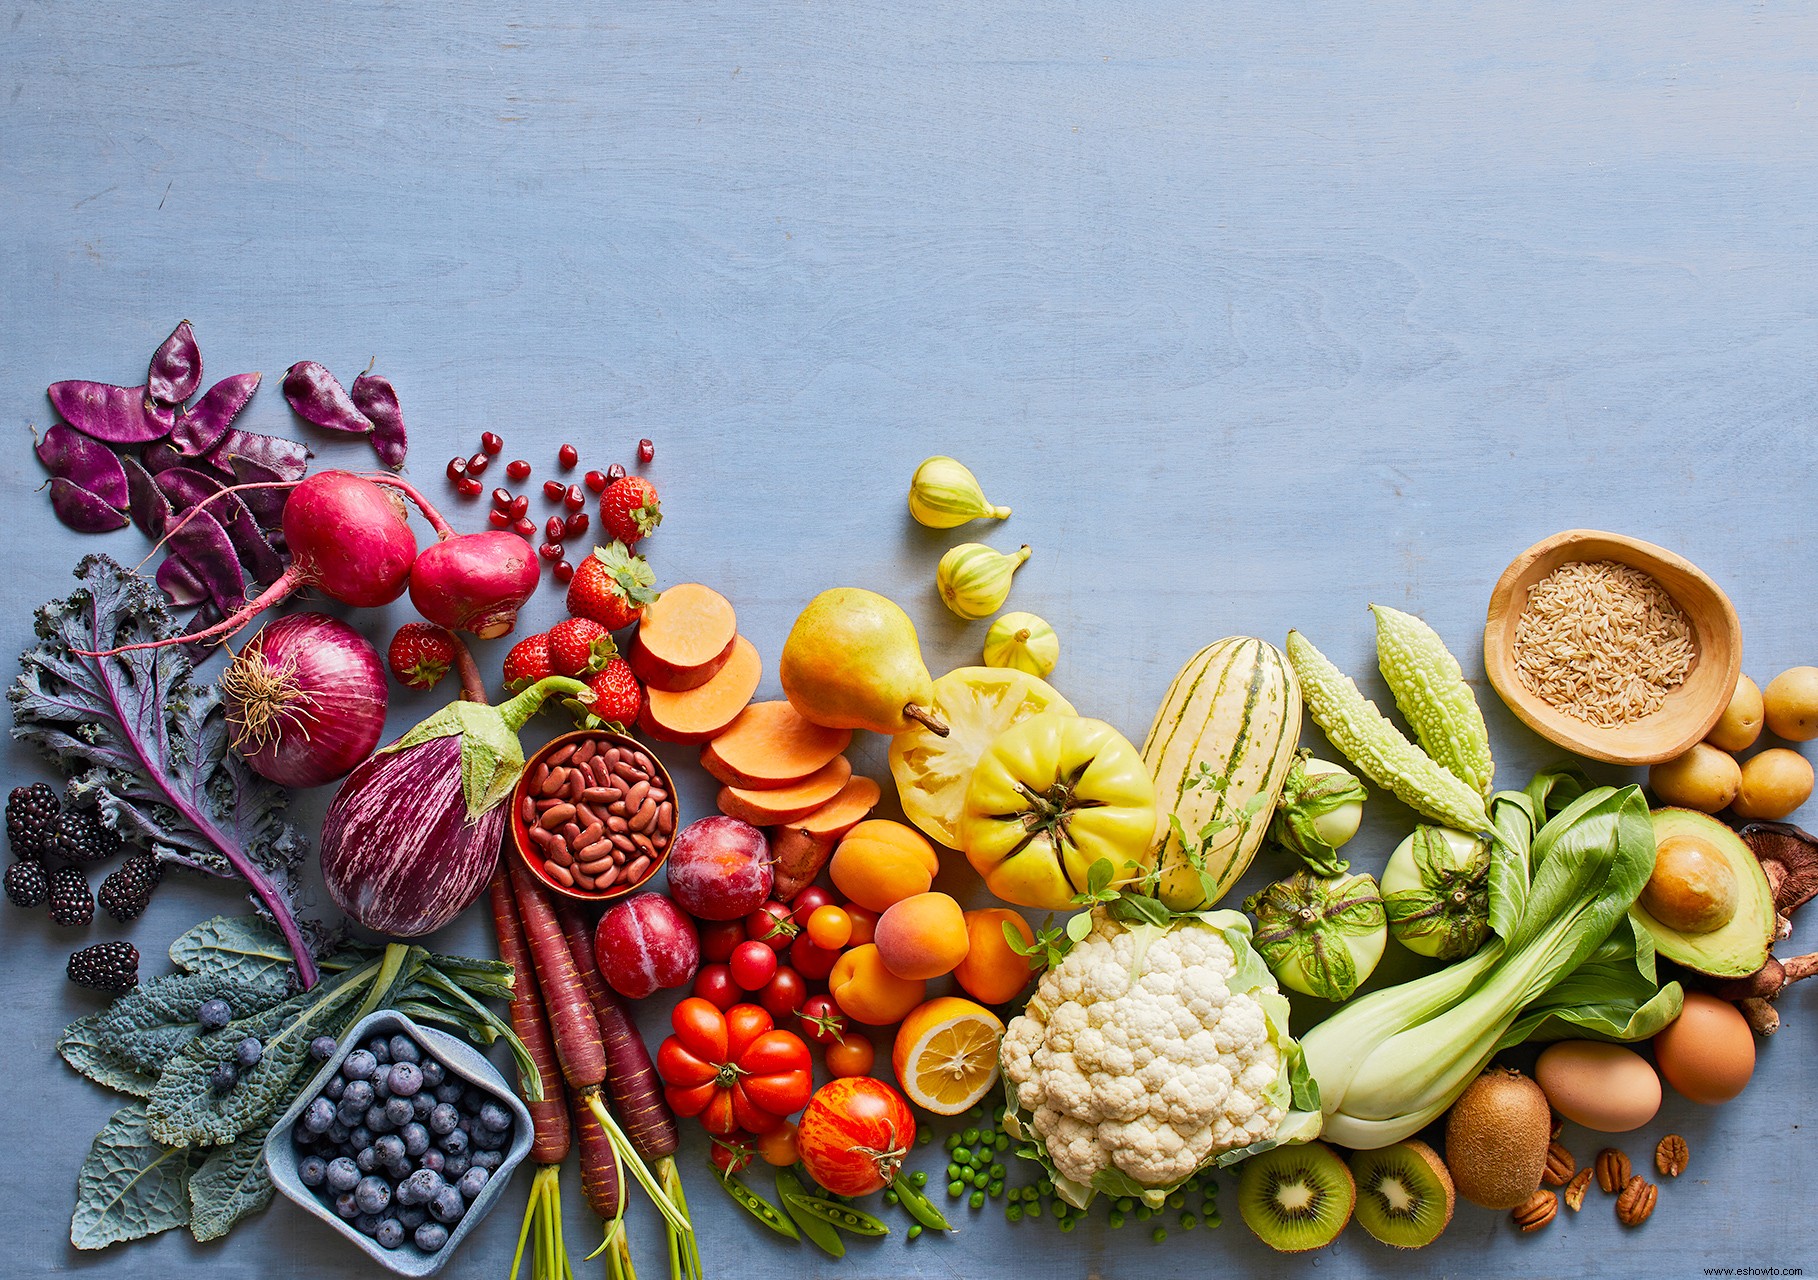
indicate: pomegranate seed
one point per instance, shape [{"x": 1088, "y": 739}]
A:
[
  {"x": 554, "y": 489},
  {"x": 568, "y": 455},
  {"x": 563, "y": 572},
  {"x": 553, "y": 527},
  {"x": 519, "y": 505},
  {"x": 518, "y": 469},
  {"x": 575, "y": 525},
  {"x": 524, "y": 527},
  {"x": 595, "y": 480},
  {"x": 615, "y": 472},
  {"x": 501, "y": 498},
  {"x": 457, "y": 467},
  {"x": 574, "y": 499},
  {"x": 646, "y": 450},
  {"x": 498, "y": 519},
  {"x": 490, "y": 443},
  {"x": 478, "y": 463},
  {"x": 551, "y": 551},
  {"x": 468, "y": 487}
]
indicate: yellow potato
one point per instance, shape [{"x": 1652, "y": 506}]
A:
[{"x": 1774, "y": 783}]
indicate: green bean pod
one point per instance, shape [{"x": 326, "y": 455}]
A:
[
  {"x": 919, "y": 1206},
  {"x": 789, "y": 1189},
  {"x": 835, "y": 1214},
  {"x": 758, "y": 1207}
]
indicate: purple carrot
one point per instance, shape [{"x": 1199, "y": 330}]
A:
[
  {"x": 288, "y": 458},
  {"x": 112, "y": 415},
  {"x": 176, "y": 368},
  {"x": 376, "y": 399},
  {"x": 179, "y": 582},
  {"x": 145, "y": 501},
  {"x": 67, "y": 453},
  {"x": 81, "y": 510},
  {"x": 200, "y": 428},
  {"x": 317, "y": 397}
]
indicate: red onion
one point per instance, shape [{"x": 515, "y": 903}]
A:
[{"x": 305, "y": 700}]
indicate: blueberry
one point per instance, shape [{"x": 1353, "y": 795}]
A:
[
  {"x": 448, "y": 1205},
  {"x": 302, "y": 1139},
  {"x": 422, "y": 1104},
  {"x": 347, "y": 1206},
  {"x": 335, "y": 1088},
  {"x": 322, "y": 1048},
  {"x": 350, "y": 1115},
  {"x": 404, "y": 1049},
  {"x": 473, "y": 1098},
  {"x": 343, "y": 1174},
  {"x": 388, "y": 1147},
  {"x": 399, "y": 1111},
  {"x": 360, "y": 1137},
  {"x": 389, "y": 1233},
  {"x": 223, "y": 1078},
  {"x": 373, "y": 1194},
  {"x": 420, "y": 1187},
  {"x": 366, "y": 1223},
  {"x": 472, "y": 1182},
  {"x": 436, "y": 1160},
  {"x": 397, "y": 1170},
  {"x": 455, "y": 1144},
  {"x": 359, "y": 1065},
  {"x": 358, "y": 1093},
  {"x": 431, "y": 1236},
  {"x": 443, "y": 1119},
  {"x": 381, "y": 1083},
  {"x": 338, "y": 1132},
  {"x": 412, "y": 1216},
  {"x": 312, "y": 1171},
  {"x": 379, "y": 1048},
  {"x": 433, "y": 1072},
  {"x": 415, "y": 1139},
  {"x": 248, "y": 1052},
  {"x": 452, "y": 1166},
  {"x": 489, "y": 1160},
  {"x": 495, "y": 1117},
  {"x": 449, "y": 1091},
  {"x": 406, "y": 1078},
  {"x": 318, "y": 1115},
  {"x": 367, "y": 1159},
  {"x": 485, "y": 1139},
  {"x": 214, "y": 1014}
]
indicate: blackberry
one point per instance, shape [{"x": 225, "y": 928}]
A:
[
  {"x": 106, "y": 966},
  {"x": 80, "y": 837},
  {"x": 31, "y": 817},
  {"x": 71, "y": 904},
  {"x": 27, "y": 884},
  {"x": 128, "y": 888}
]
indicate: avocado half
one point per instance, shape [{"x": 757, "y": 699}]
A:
[{"x": 1732, "y": 942}]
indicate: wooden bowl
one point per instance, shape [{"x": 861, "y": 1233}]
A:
[
  {"x": 1689, "y": 711},
  {"x": 527, "y": 850}
]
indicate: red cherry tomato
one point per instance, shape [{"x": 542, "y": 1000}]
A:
[
  {"x": 772, "y": 925},
  {"x": 811, "y": 899},
  {"x": 783, "y": 994},
  {"x": 753, "y": 964},
  {"x": 853, "y": 1056},
  {"x": 732, "y": 1153},
  {"x": 778, "y": 1147},
  {"x": 714, "y": 984},
  {"x": 821, "y": 1020},
  {"x": 733, "y": 1069},
  {"x": 854, "y": 1135},
  {"x": 864, "y": 925},
  {"x": 812, "y": 962},
  {"x": 829, "y": 928},
  {"x": 719, "y": 937}
]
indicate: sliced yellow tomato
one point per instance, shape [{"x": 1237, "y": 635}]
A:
[
  {"x": 978, "y": 703},
  {"x": 946, "y": 1054}
]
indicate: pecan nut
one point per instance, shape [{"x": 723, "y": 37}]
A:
[
  {"x": 1560, "y": 1166},
  {"x": 1671, "y": 1155},
  {"x": 1636, "y": 1202},
  {"x": 1574, "y": 1194},
  {"x": 1536, "y": 1211},
  {"x": 1613, "y": 1170}
]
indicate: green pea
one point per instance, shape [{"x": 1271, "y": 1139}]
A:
[
  {"x": 1188, "y": 1222},
  {"x": 963, "y": 1155},
  {"x": 1126, "y": 1203},
  {"x": 978, "y": 1200},
  {"x": 923, "y": 1138},
  {"x": 998, "y": 1171},
  {"x": 955, "y": 1190},
  {"x": 996, "y": 1189},
  {"x": 1144, "y": 1213},
  {"x": 1034, "y": 1210},
  {"x": 953, "y": 1172},
  {"x": 919, "y": 1178},
  {"x": 915, "y": 1229},
  {"x": 1045, "y": 1186},
  {"x": 1159, "y": 1234},
  {"x": 1117, "y": 1219},
  {"x": 1067, "y": 1224},
  {"x": 975, "y": 1112},
  {"x": 1013, "y": 1212},
  {"x": 953, "y": 1141},
  {"x": 890, "y": 1197},
  {"x": 970, "y": 1136},
  {"x": 987, "y": 1135},
  {"x": 1177, "y": 1201},
  {"x": 1002, "y": 1142},
  {"x": 1031, "y": 1194},
  {"x": 1212, "y": 1219}
]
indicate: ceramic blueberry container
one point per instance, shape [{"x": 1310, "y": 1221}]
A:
[{"x": 458, "y": 1059}]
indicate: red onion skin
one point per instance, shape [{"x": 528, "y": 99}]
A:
[{"x": 339, "y": 722}]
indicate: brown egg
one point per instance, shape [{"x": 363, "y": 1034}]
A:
[
  {"x": 1708, "y": 1052},
  {"x": 1600, "y": 1086}
]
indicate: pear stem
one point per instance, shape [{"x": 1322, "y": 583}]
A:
[{"x": 927, "y": 719}]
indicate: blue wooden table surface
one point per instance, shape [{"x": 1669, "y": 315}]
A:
[{"x": 1255, "y": 312}]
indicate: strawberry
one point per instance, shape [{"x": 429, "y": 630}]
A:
[
  {"x": 617, "y": 697},
  {"x": 611, "y": 586},
  {"x": 420, "y": 654},
  {"x": 527, "y": 663},
  {"x": 629, "y": 509},
  {"x": 579, "y": 647}
]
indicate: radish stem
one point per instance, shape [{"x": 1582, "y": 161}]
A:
[{"x": 442, "y": 527}]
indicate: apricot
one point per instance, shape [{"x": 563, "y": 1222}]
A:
[
  {"x": 992, "y": 972},
  {"x": 866, "y": 991},
  {"x": 879, "y": 863},
  {"x": 922, "y": 936}
]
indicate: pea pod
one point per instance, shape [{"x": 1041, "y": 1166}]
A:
[
  {"x": 755, "y": 1205},
  {"x": 1357, "y": 728},
  {"x": 919, "y": 1206},
  {"x": 789, "y": 1189},
  {"x": 835, "y": 1214},
  {"x": 1430, "y": 689}
]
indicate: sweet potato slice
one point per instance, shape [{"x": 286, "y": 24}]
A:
[
  {"x": 769, "y": 746},
  {"x": 786, "y": 804},
  {"x": 800, "y": 849},
  {"x": 700, "y": 714},
  {"x": 684, "y": 638}
]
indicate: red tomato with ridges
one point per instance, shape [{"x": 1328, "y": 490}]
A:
[
  {"x": 733, "y": 1070},
  {"x": 854, "y": 1134}
]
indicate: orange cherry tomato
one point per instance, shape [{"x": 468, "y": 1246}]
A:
[
  {"x": 778, "y": 1146},
  {"x": 853, "y": 1056},
  {"x": 830, "y": 928},
  {"x": 864, "y": 925}
]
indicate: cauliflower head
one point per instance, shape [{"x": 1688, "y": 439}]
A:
[{"x": 1149, "y": 1052}]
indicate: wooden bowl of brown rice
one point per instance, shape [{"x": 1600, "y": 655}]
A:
[{"x": 1611, "y": 647}]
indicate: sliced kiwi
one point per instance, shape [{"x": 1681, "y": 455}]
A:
[
  {"x": 1404, "y": 1194},
  {"x": 1296, "y": 1197}
]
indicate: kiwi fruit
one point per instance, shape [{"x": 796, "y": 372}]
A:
[
  {"x": 1296, "y": 1197},
  {"x": 1404, "y": 1194},
  {"x": 1496, "y": 1139}
]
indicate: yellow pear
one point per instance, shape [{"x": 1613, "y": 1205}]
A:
[{"x": 852, "y": 661}]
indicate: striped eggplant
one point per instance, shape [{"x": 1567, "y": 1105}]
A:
[
  {"x": 1219, "y": 751},
  {"x": 413, "y": 834}
]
